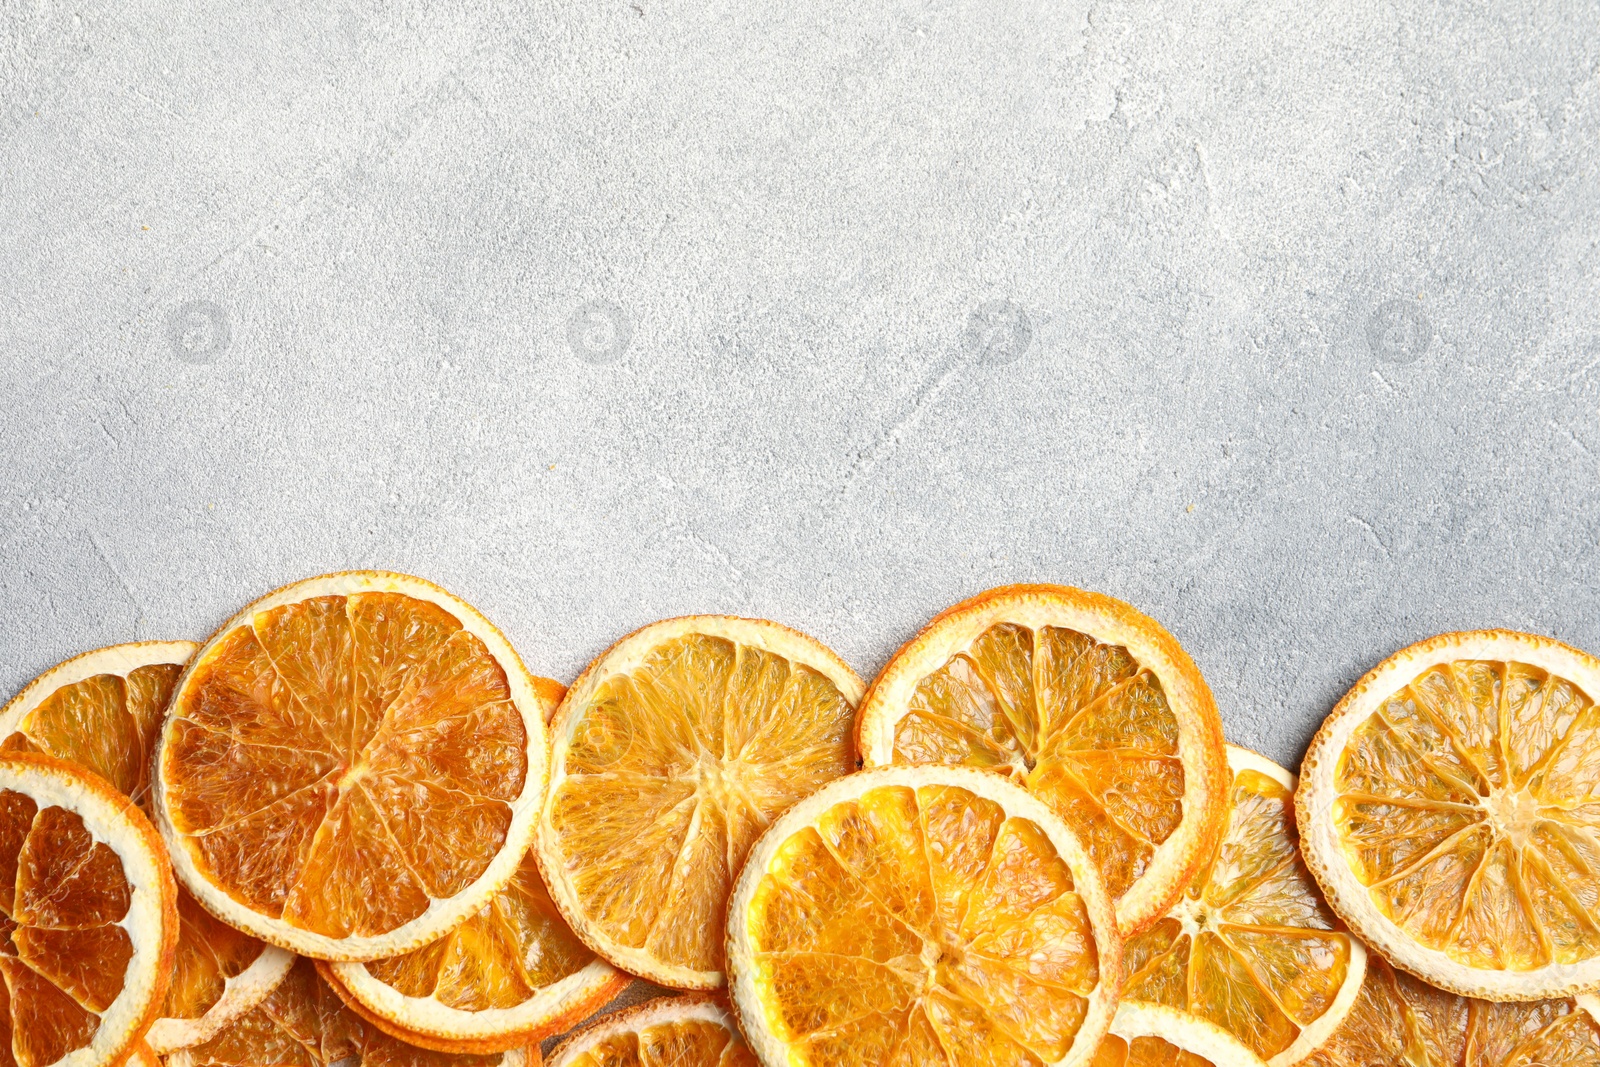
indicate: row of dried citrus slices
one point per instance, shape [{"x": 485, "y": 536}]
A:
[{"x": 1050, "y": 856}]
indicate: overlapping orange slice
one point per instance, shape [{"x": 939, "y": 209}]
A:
[{"x": 689, "y": 1031}]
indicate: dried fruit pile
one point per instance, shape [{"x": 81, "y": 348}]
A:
[{"x": 352, "y": 826}]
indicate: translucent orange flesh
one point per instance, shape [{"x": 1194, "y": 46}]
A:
[
  {"x": 690, "y": 1043},
  {"x": 1469, "y": 805},
  {"x": 516, "y": 946},
  {"x": 342, "y": 761},
  {"x": 303, "y": 1023},
  {"x": 922, "y": 927},
  {"x": 1144, "y": 1052},
  {"x": 209, "y": 954},
  {"x": 1079, "y": 723},
  {"x": 1251, "y": 946},
  {"x": 1398, "y": 1020},
  {"x": 674, "y": 770},
  {"x": 63, "y": 957}
]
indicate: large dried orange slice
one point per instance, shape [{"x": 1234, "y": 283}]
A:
[
  {"x": 303, "y": 1024},
  {"x": 102, "y": 710},
  {"x": 1250, "y": 945},
  {"x": 690, "y": 1031},
  {"x": 1090, "y": 705},
  {"x": 937, "y": 915},
  {"x": 351, "y": 766},
  {"x": 1450, "y": 807},
  {"x": 1399, "y": 1020},
  {"x": 671, "y": 753},
  {"x": 1150, "y": 1035},
  {"x": 88, "y": 921}
]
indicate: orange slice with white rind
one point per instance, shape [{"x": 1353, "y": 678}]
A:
[
  {"x": 1149, "y": 1035},
  {"x": 510, "y": 976},
  {"x": 1399, "y": 1020},
  {"x": 102, "y": 710},
  {"x": 1450, "y": 807},
  {"x": 1087, "y": 703},
  {"x": 143, "y": 1056},
  {"x": 302, "y": 1023},
  {"x": 351, "y": 766},
  {"x": 87, "y": 916},
  {"x": 1250, "y": 945},
  {"x": 689, "y": 1031},
  {"x": 922, "y": 915},
  {"x": 671, "y": 753}
]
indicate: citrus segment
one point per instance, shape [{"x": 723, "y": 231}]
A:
[
  {"x": 351, "y": 766},
  {"x": 922, "y": 915},
  {"x": 87, "y": 922},
  {"x": 301, "y": 1023},
  {"x": 672, "y": 752},
  {"x": 1250, "y": 946},
  {"x": 1398, "y": 1019},
  {"x": 1453, "y": 790},
  {"x": 693, "y": 1031},
  {"x": 1149, "y": 1035},
  {"x": 1088, "y": 704}
]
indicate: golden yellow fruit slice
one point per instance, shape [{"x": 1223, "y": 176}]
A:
[
  {"x": 302, "y": 1023},
  {"x": 1399, "y": 1020},
  {"x": 1090, "y": 705},
  {"x": 351, "y": 766},
  {"x": 691, "y": 1031},
  {"x": 936, "y": 915},
  {"x": 1450, "y": 807},
  {"x": 102, "y": 710},
  {"x": 87, "y": 916},
  {"x": 508, "y": 977},
  {"x": 1149, "y": 1035},
  {"x": 671, "y": 753},
  {"x": 1250, "y": 946}
]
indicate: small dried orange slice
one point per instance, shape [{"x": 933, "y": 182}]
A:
[
  {"x": 1090, "y": 705},
  {"x": 88, "y": 921},
  {"x": 1399, "y": 1020},
  {"x": 102, "y": 710},
  {"x": 935, "y": 915},
  {"x": 302, "y": 1023},
  {"x": 1149, "y": 1035},
  {"x": 690, "y": 1031},
  {"x": 351, "y": 766},
  {"x": 1450, "y": 807},
  {"x": 1250, "y": 946},
  {"x": 671, "y": 753}
]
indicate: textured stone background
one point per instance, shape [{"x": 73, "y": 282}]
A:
[{"x": 1279, "y": 319}]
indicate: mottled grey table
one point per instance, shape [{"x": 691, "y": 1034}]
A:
[{"x": 1279, "y": 319}]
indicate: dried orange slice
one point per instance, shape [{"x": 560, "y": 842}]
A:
[
  {"x": 1399, "y": 1020},
  {"x": 1090, "y": 705},
  {"x": 88, "y": 921},
  {"x": 922, "y": 915},
  {"x": 1149, "y": 1035},
  {"x": 1250, "y": 945},
  {"x": 102, "y": 710},
  {"x": 1450, "y": 807},
  {"x": 671, "y": 753},
  {"x": 509, "y": 976},
  {"x": 303, "y": 1024},
  {"x": 691, "y": 1031},
  {"x": 351, "y": 766},
  {"x": 143, "y": 1056}
]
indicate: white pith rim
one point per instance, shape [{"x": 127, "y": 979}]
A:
[
  {"x": 1011, "y": 799},
  {"x": 642, "y": 1017},
  {"x": 120, "y": 660},
  {"x": 239, "y": 994},
  {"x": 110, "y": 819},
  {"x": 1324, "y": 851},
  {"x": 624, "y": 657},
  {"x": 1110, "y": 622},
  {"x": 440, "y": 915},
  {"x": 1188, "y": 1032}
]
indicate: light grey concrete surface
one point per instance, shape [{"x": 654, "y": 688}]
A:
[{"x": 1280, "y": 320}]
